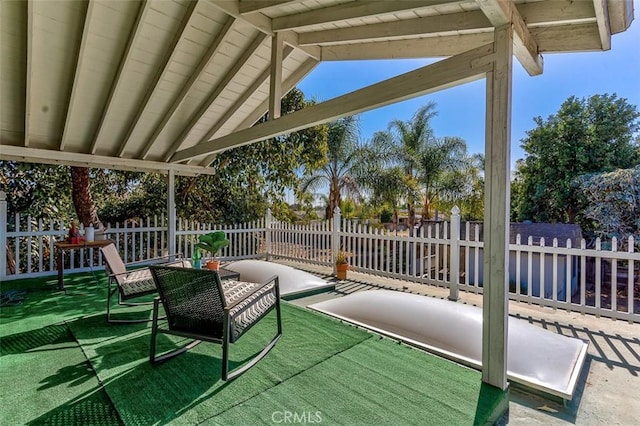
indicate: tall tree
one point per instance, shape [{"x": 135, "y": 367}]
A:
[
  {"x": 409, "y": 140},
  {"x": 589, "y": 135},
  {"x": 344, "y": 156},
  {"x": 82, "y": 199}
]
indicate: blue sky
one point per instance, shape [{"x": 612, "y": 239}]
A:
[{"x": 461, "y": 109}]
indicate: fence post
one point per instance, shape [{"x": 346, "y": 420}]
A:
[
  {"x": 3, "y": 235},
  {"x": 267, "y": 232},
  {"x": 335, "y": 237},
  {"x": 454, "y": 240}
]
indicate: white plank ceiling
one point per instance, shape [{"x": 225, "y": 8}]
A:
[{"x": 124, "y": 82}]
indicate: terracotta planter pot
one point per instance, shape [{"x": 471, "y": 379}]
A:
[
  {"x": 341, "y": 271},
  {"x": 213, "y": 265}
]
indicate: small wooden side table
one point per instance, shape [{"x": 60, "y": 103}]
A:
[{"x": 62, "y": 246}]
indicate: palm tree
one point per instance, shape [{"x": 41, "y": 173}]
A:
[
  {"x": 343, "y": 158},
  {"x": 407, "y": 142},
  {"x": 392, "y": 186},
  {"x": 441, "y": 164}
]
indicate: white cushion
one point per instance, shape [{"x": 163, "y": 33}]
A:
[{"x": 292, "y": 281}]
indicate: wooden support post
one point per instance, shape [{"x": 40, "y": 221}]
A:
[
  {"x": 496, "y": 211},
  {"x": 454, "y": 238},
  {"x": 171, "y": 212},
  {"x": 275, "y": 81},
  {"x": 3, "y": 235}
]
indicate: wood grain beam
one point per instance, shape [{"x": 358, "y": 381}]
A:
[
  {"x": 79, "y": 59},
  {"x": 430, "y": 47},
  {"x": 47, "y": 156},
  {"x": 602, "y": 17},
  {"x": 501, "y": 12},
  {"x": 441, "y": 25},
  {"x": 459, "y": 69},
  {"x": 197, "y": 73},
  {"x": 263, "y": 24},
  {"x": 159, "y": 76},
  {"x": 29, "y": 72},
  {"x": 351, "y": 10},
  {"x": 252, "y": 6},
  {"x": 495, "y": 298},
  {"x": 534, "y": 14},
  {"x": 275, "y": 80},
  {"x": 124, "y": 60},
  {"x": 228, "y": 77}
]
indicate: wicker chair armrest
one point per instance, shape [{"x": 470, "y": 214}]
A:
[{"x": 273, "y": 279}]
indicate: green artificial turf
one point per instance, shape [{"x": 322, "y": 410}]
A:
[
  {"x": 319, "y": 366},
  {"x": 320, "y": 371}
]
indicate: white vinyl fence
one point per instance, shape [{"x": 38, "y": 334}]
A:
[{"x": 600, "y": 281}]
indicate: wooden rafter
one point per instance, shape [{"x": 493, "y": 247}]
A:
[
  {"x": 275, "y": 80},
  {"x": 47, "y": 156},
  {"x": 79, "y": 58},
  {"x": 602, "y": 17},
  {"x": 228, "y": 77},
  {"x": 534, "y": 14},
  {"x": 117, "y": 79},
  {"x": 525, "y": 47},
  {"x": 252, "y": 6},
  {"x": 458, "y": 69},
  {"x": 351, "y": 10},
  {"x": 414, "y": 48},
  {"x": 263, "y": 24},
  {"x": 197, "y": 73},
  {"x": 29, "y": 72},
  {"x": 160, "y": 74},
  {"x": 240, "y": 101},
  {"x": 441, "y": 25}
]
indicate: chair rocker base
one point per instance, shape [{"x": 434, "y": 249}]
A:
[{"x": 110, "y": 319}]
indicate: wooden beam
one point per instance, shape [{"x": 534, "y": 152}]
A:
[
  {"x": 249, "y": 91},
  {"x": 79, "y": 62},
  {"x": 496, "y": 211},
  {"x": 501, "y": 12},
  {"x": 229, "y": 75},
  {"x": 534, "y": 14},
  {"x": 252, "y": 6},
  {"x": 439, "y": 25},
  {"x": 430, "y": 47},
  {"x": 46, "y": 156},
  {"x": 263, "y": 24},
  {"x": 197, "y": 73},
  {"x": 602, "y": 17},
  {"x": 159, "y": 76},
  {"x": 568, "y": 38},
  {"x": 134, "y": 35},
  {"x": 275, "y": 80},
  {"x": 351, "y": 10},
  {"x": 459, "y": 69},
  {"x": 28, "y": 71}
]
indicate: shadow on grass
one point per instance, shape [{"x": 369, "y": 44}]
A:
[
  {"x": 34, "y": 339},
  {"x": 44, "y": 304},
  {"x": 493, "y": 404},
  {"x": 90, "y": 408}
]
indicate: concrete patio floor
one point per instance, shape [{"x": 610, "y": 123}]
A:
[{"x": 608, "y": 392}]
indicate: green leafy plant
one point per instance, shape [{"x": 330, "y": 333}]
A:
[{"x": 213, "y": 242}]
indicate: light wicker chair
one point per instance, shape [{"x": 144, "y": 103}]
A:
[
  {"x": 130, "y": 284},
  {"x": 198, "y": 305}
]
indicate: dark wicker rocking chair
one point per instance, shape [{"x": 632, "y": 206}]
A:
[
  {"x": 200, "y": 306},
  {"x": 130, "y": 284}
]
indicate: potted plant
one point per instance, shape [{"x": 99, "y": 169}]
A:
[
  {"x": 213, "y": 242},
  {"x": 342, "y": 264}
]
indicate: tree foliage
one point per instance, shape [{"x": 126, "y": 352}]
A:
[
  {"x": 591, "y": 135},
  {"x": 246, "y": 181},
  {"x": 339, "y": 172},
  {"x": 613, "y": 202}
]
